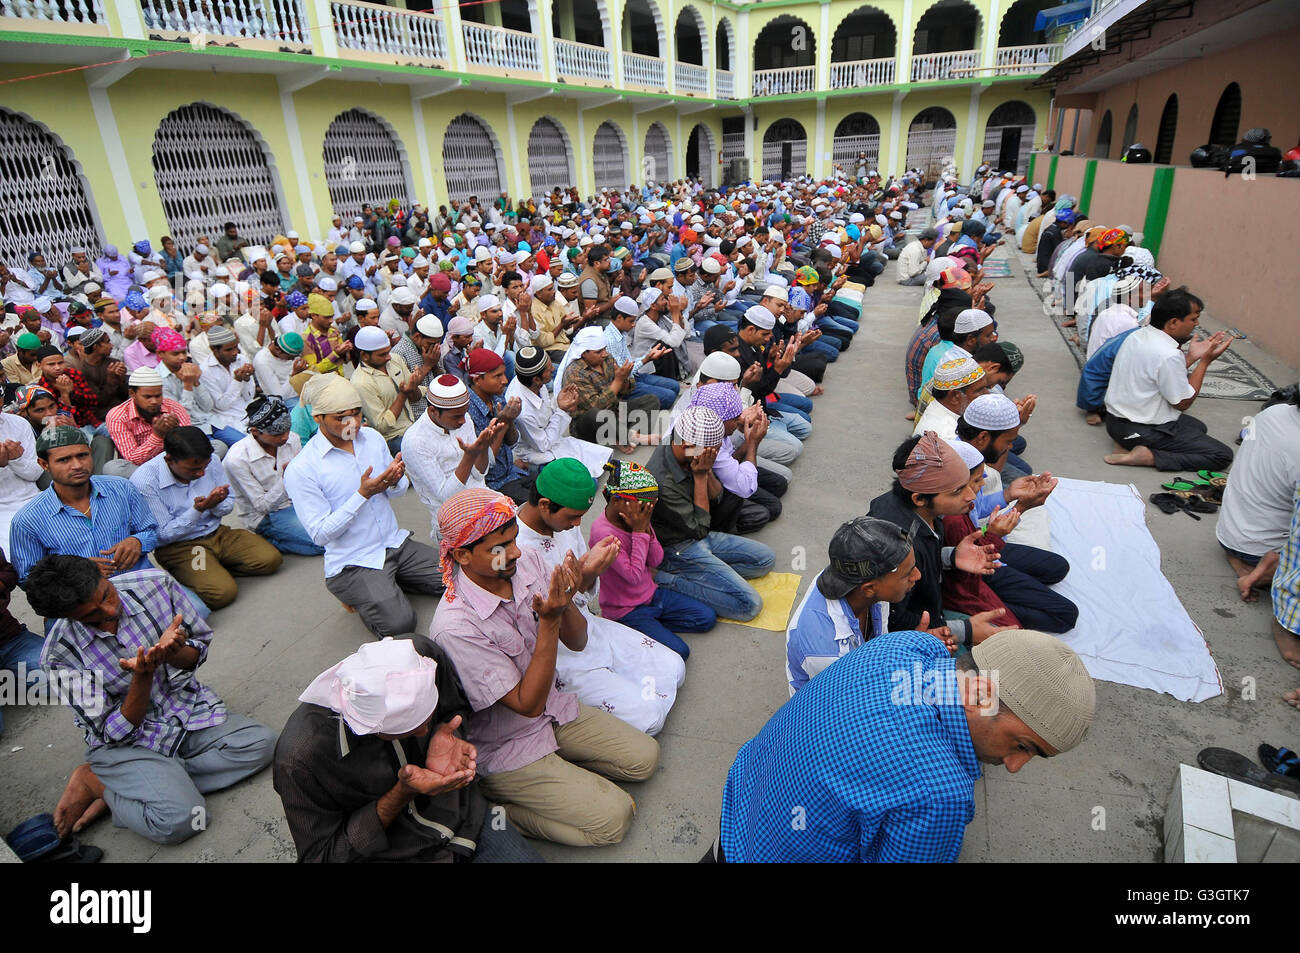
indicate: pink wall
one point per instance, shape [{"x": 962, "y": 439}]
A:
[
  {"x": 1069, "y": 173},
  {"x": 1221, "y": 240},
  {"x": 1120, "y": 193}
]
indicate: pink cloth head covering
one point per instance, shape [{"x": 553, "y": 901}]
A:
[
  {"x": 385, "y": 687},
  {"x": 933, "y": 466},
  {"x": 165, "y": 339}
]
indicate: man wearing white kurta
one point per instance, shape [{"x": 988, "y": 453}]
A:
[
  {"x": 442, "y": 453},
  {"x": 544, "y": 418},
  {"x": 620, "y": 671}
]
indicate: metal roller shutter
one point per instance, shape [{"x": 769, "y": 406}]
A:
[
  {"x": 548, "y": 159},
  {"x": 42, "y": 203},
  {"x": 705, "y": 155},
  {"x": 362, "y": 164},
  {"x": 209, "y": 170},
  {"x": 608, "y": 159},
  {"x": 656, "y": 149},
  {"x": 469, "y": 160}
]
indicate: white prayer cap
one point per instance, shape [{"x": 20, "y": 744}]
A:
[
  {"x": 720, "y": 366},
  {"x": 540, "y": 283},
  {"x": 969, "y": 455},
  {"x": 648, "y": 297},
  {"x": 481, "y": 253},
  {"x": 366, "y": 304},
  {"x": 402, "y": 296},
  {"x": 429, "y": 326},
  {"x": 356, "y": 247},
  {"x": 371, "y": 338},
  {"x": 710, "y": 266},
  {"x": 144, "y": 377},
  {"x": 626, "y": 305},
  {"x": 992, "y": 412},
  {"x": 779, "y": 292},
  {"x": 219, "y": 290},
  {"x": 488, "y": 302},
  {"x": 761, "y": 317},
  {"x": 200, "y": 250},
  {"x": 158, "y": 293},
  {"x": 420, "y": 262},
  {"x": 386, "y": 687},
  {"x": 971, "y": 320},
  {"x": 449, "y": 242},
  {"x": 857, "y": 218},
  {"x": 326, "y": 283}
]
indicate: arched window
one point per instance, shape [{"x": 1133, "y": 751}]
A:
[
  {"x": 641, "y": 29},
  {"x": 363, "y": 163},
  {"x": 1103, "y": 137},
  {"x": 43, "y": 200},
  {"x": 1009, "y": 135},
  {"x": 549, "y": 163},
  {"x": 1227, "y": 117},
  {"x": 210, "y": 169},
  {"x": 856, "y": 133},
  {"x": 1130, "y": 129},
  {"x": 701, "y": 158},
  {"x": 1168, "y": 129},
  {"x": 785, "y": 150},
  {"x": 931, "y": 141},
  {"x": 658, "y": 167},
  {"x": 609, "y": 158},
  {"x": 470, "y": 163}
]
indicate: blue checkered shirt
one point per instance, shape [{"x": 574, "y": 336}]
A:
[
  {"x": 1286, "y": 579},
  {"x": 862, "y": 764}
]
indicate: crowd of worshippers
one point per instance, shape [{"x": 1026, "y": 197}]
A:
[{"x": 500, "y": 366}]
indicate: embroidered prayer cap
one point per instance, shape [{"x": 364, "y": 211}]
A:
[
  {"x": 531, "y": 360},
  {"x": 385, "y": 687},
  {"x": 933, "y": 466},
  {"x": 630, "y": 481},
  {"x": 134, "y": 301},
  {"x": 760, "y": 317},
  {"x": 969, "y": 455},
  {"x": 448, "y": 392},
  {"x": 956, "y": 374},
  {"x": 336, "y": 396},
  {"x": 777, "y": 292},
  {"x": 1014, "y": 356},
  {"x": 700, "y": 427},
  {"x": 92, "y": 336},
  {"x": 626, "y": 305},
  {"x": 295, "y": 299},
  {"x": 861, "y": 550},
  {"x": 429, "y": 326},
  {"x": 61, "y": 436},
  {"x": 971, "y": 320},
  {"x": 371, "y": 338},
  {"x": 567, "y": 482},
  {"x": 684, "y": 264},
  {"x": 806, "y": 275},
  {"x": 24, "y": 396},
  {"x": 290, "y": 342},
  {"x": 719, "y": 366},
  {"x": 482, "y": 361},
  {"x": 659, "y": 274},
  {"x": 401, "y": 296},
  {"x": 464, "y": 519},
  {"x": 488, "y": 302},
  {"x": 144, "y": 377},
  {"x": 269, "y": 414},
  {"x": 992, "y": 412},
  {"x": 220, "y": 335},
  {"x": 721, "y": 397},
  {"x": 1042, "y": 682}
]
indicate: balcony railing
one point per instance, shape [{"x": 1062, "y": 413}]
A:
[
  {"x": 274, "y": 20},
  {"x": 499, "y": 48},
  {"x": 582, "y": 61},
  {"x": 640, "y": 70},
  {"x": 726, "y": 83},
  {"x": 879, "y": 72},
  {"x": 778, "y": 82},
  {"x": 390, "y": 31},
  {"x": 53, "y": 11},
  {"x": 691, "y": 78},
  {"x": 1028, "y": 59},
  {"x": 930, "y": 66}
]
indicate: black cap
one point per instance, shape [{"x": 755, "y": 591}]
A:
[{"x": 861, "y": 550}]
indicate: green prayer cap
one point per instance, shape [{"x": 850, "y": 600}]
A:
[
  {"x": 61, "y": 436},
  {"x": 291, "y": 343},
  {"x": 27, "y": 341},
  {"x": 566, "y": 482},
  {"x": 1014, "y": 356}
]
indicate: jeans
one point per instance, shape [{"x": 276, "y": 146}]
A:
[
  {"x": 916, "y": 279},
  {"x": 283, "y": 530},
  {"x": 665, "y": 389},
  {"x": 702, "y": 326},
  {"x": 824, "y": 348},
  {"x": 792, "y": 425},
  {"x": 503, "y": 844},
  {"x": 669, "y": 612},
  {"x": 1022, "y": 583},
  {"x": 713, "y": 570},
  {"x": 23, "y": 649},
  {"x": 228, "y": 435},
  {"x": 789, "y": 407}
]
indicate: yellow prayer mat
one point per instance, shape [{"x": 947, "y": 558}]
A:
[{"x": 777, "y": 590}]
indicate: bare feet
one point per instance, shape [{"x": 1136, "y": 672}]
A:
[
  {"x": 1137, "y": 457},
  {"x": 81, "y": 803},
  {"x": 1069, "y": 324},
  {"x": 818, "y": 391},
  {"x": 910, "y": 415},
  {"x": 638, "y": 439},
  {"x": 1287, "y": 644},
  {"x": 626, "y": 448},
  {"x": 1092, "y": 419},
  {"x": 1074, "y": 339},
  {"x": 1292, "y": 698}
]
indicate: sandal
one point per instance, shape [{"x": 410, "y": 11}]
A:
[
  {"x": 1238, "y": 767},
  {"x": 1170, "y": 503},
  {"x": 1281, "y": 761},
  {"x": 1213, "y": 477}
]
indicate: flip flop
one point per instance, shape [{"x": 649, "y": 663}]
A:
[
  {"x": 1281, "y": 761},
  {"x": 1166, "y": 503},
  {"x": 1213, "y": 477},
  {"x": 1180, "y": 485},
  {"x": 1238, "y": 767},
  {"x": 1201, "y": 504}
]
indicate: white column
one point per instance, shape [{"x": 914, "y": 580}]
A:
[
  {"x": 615, "y": 42},
  {"x": 903, "y": 69},
  {"x": 299, "y": 157},
  {"x": 755, "y": 164},
  {"x": 678, "y": 154},
  {"x": 581, "y": 151},
  {"x": 823, "y": 60},
  {"x": 128, "y": 15},
  {"x": 106, "y": 122},
  {"x": 991, "y": 28},
  {"x": 972, "y": 128},
  {"x": 898, "y": 133},
  {"x": 819, "y": 164},
  {"x": 429, "y": 198},
  {"x": 323, "y": 40},
  {"x": 455, "y": 36},
  {"x": 542, "y": 29},
  {"x": 743, "y": 60},
  {"x": 635, "y": 151}
]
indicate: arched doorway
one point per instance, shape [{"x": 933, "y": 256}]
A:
[
  {"x": 862, "y": 49},
  {"x": 931, "y": 141},
  {"x": 210, "y": 169},
  {"x": 471, "y": 161},
  {"x": 949, "y": 26},
  {"x": 363, "y": 163},
  {"x": 582, "y": 21},
  {"x": 609, "y": 157},
  {"x": 701, "y": 155},
  {"x": 785, "y": 54},
  {"x": 1130, "y": 129},
  {"x": 785, "y": 150},
  {"x": 856, "y": 133},
  {"x": 1168, "y": 129},
  {"x": 1009, "y": 136},
  {"x": 643, "y": 30},
  {"x": 44, "y": 204},
  {"x": 1227, "y": 117},
  {"x": 658, "y": 167},
  {"x": 1103, "y": 137},
  {"x": 550, "y": 164}
]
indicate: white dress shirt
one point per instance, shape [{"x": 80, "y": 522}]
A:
[
  {"x": 172, "y": 502},
  {"x": 1148, "y": 378},
  {"x": 323, "y": 481},
  {"x": 17, "y": 477},
  {"x": 432, "y": 455},
  {"x": 229, "y": 397},
  {"x": 273, "y": 374},
  {"x": 257, "y": 478},
  {"x": 541, "y": 427}
]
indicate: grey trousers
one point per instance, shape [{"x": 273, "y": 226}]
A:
[
  {"x": 780, "y": 447},
  {"x": 377, "y": 594},
  {"x": 120, "y": 468},
  {"x": 161, "y": 798}
]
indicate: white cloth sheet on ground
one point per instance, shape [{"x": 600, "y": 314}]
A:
[{"x": 1132, "y": 628}]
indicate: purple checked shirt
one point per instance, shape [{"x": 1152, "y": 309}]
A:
[{"x": 177, "y": 701}]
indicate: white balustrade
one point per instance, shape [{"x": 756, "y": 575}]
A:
[
  {"x": 640, "y": 70},
  {"x": 499, "y": 48},
  {"x": 582, "y": 61},
  {"x": 691, "y": 78},
  {"x": 54, "y": 11},
  {"x": 278, "y": 21},
  {"x": 375, "y": 28},
  {"x": 778, "y": 82},
  {"x": 1028, "y": 59},
  {"x": 930, "y": 66},
  {"x": 859, "y": 73},
  {"x": 726, "y": 83}
]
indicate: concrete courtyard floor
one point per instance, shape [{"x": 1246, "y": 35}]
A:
[{"x": 284, "y": 630}]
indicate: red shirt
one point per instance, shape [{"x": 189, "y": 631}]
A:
[
  {"x": 84, "y": 400},
  {"x": 134, "y": 436}
]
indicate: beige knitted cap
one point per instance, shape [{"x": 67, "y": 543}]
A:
[{"x": 1043, "y": 682}]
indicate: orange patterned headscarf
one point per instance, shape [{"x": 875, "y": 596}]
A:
[{"x": 464, "y": 519}]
